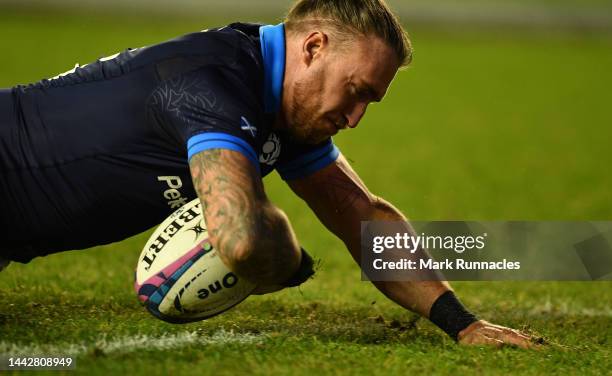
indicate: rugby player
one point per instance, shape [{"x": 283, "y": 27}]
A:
[{"x": 110, "y": 149}]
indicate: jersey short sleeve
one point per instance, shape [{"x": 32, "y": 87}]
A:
[
  {"x": 210, "y": 108},
  {"x": 300, "y": 161}
]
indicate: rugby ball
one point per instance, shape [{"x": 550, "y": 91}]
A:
[{"x": 180, "y": 277}]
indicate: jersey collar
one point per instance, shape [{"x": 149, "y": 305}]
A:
[{"x": 273, "y": 51}]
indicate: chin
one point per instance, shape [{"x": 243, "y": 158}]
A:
[
  {"x": 305, "y": 138},
  {"x": 314, "y": 134},
  {"x": 313, "y": 139}
]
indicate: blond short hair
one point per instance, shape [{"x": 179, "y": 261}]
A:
[{"x": 348, "y": 17}]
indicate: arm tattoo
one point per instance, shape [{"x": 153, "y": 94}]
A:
[
  {"x": 337, "y": 189},
  {"x": 229, "y": 190},
  {"x": 342, "y": 192},
  {"x": 238, "y": 215}
]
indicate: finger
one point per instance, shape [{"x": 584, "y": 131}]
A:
[
  {"x": 481, "y": 339},
  {"x": 491, "y": 331},
  {"x": 501, "y": 330},
  {"x": 511, "y": 337},
  {"x": 496, "y": 331},
  {"x": 515, "y": 340},
  {"x": 506, "y": 329},
  {"x": 519, "y": 334}
]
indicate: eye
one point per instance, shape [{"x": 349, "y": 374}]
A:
[{"x": 358, "y": 93}]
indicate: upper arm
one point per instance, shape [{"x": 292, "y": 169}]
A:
[
  {"x": 341, "y": 201},
  {"x": 231, "y": 193},
  {"x": 337, "y": 196},
  {"x": 251, "y": 235},
  {"x": 201, "y": 108}
]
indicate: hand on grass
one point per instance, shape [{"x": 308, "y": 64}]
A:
[{"x": 484, "y": 333}]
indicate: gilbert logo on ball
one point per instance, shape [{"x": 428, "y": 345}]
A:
[{"x": 180, "y": 277}]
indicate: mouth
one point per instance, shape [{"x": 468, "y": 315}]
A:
[
  {"x": 335, "y": 127},
  {"x": 339, "y": 123}
]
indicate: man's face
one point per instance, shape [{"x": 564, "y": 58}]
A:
[{"x": 333, "y": 89}]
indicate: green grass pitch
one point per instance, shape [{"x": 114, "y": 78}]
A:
[{"x": 485, "y": 125}]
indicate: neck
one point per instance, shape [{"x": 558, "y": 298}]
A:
[{"x": 292, "y": 62}]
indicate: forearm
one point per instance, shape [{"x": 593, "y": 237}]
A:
[
  {"x": 258, "y": 243},
  {"x": 435, "y": 300},
  {"x": 277, "y": 246},
  {"x": 341, "y": 201},
  {"x": 252, "y": 237},
  {"x": 417, "y": 296}
]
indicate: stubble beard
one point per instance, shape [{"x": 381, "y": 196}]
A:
[{"x": 305, "y": 107}]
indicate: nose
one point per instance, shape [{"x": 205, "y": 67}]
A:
[{"x": 355, "y": 115}]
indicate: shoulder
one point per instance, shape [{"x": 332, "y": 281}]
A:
[
  {"x": 226, "y": 59},
  {"x": 228, "y": 46}
]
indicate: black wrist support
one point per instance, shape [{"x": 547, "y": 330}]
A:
[
  {"x": 305, "y": 271},
  {"x": 450, "y": 315}
]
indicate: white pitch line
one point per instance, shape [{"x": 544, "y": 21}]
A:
[
  {"x": 566, "y": 309},
  {"x": 130, "y": 344}
]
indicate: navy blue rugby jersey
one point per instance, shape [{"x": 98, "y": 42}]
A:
[{"x": 101, "y": 153}]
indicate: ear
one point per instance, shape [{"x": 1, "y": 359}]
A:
[{"x": 314, "y": 46}]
